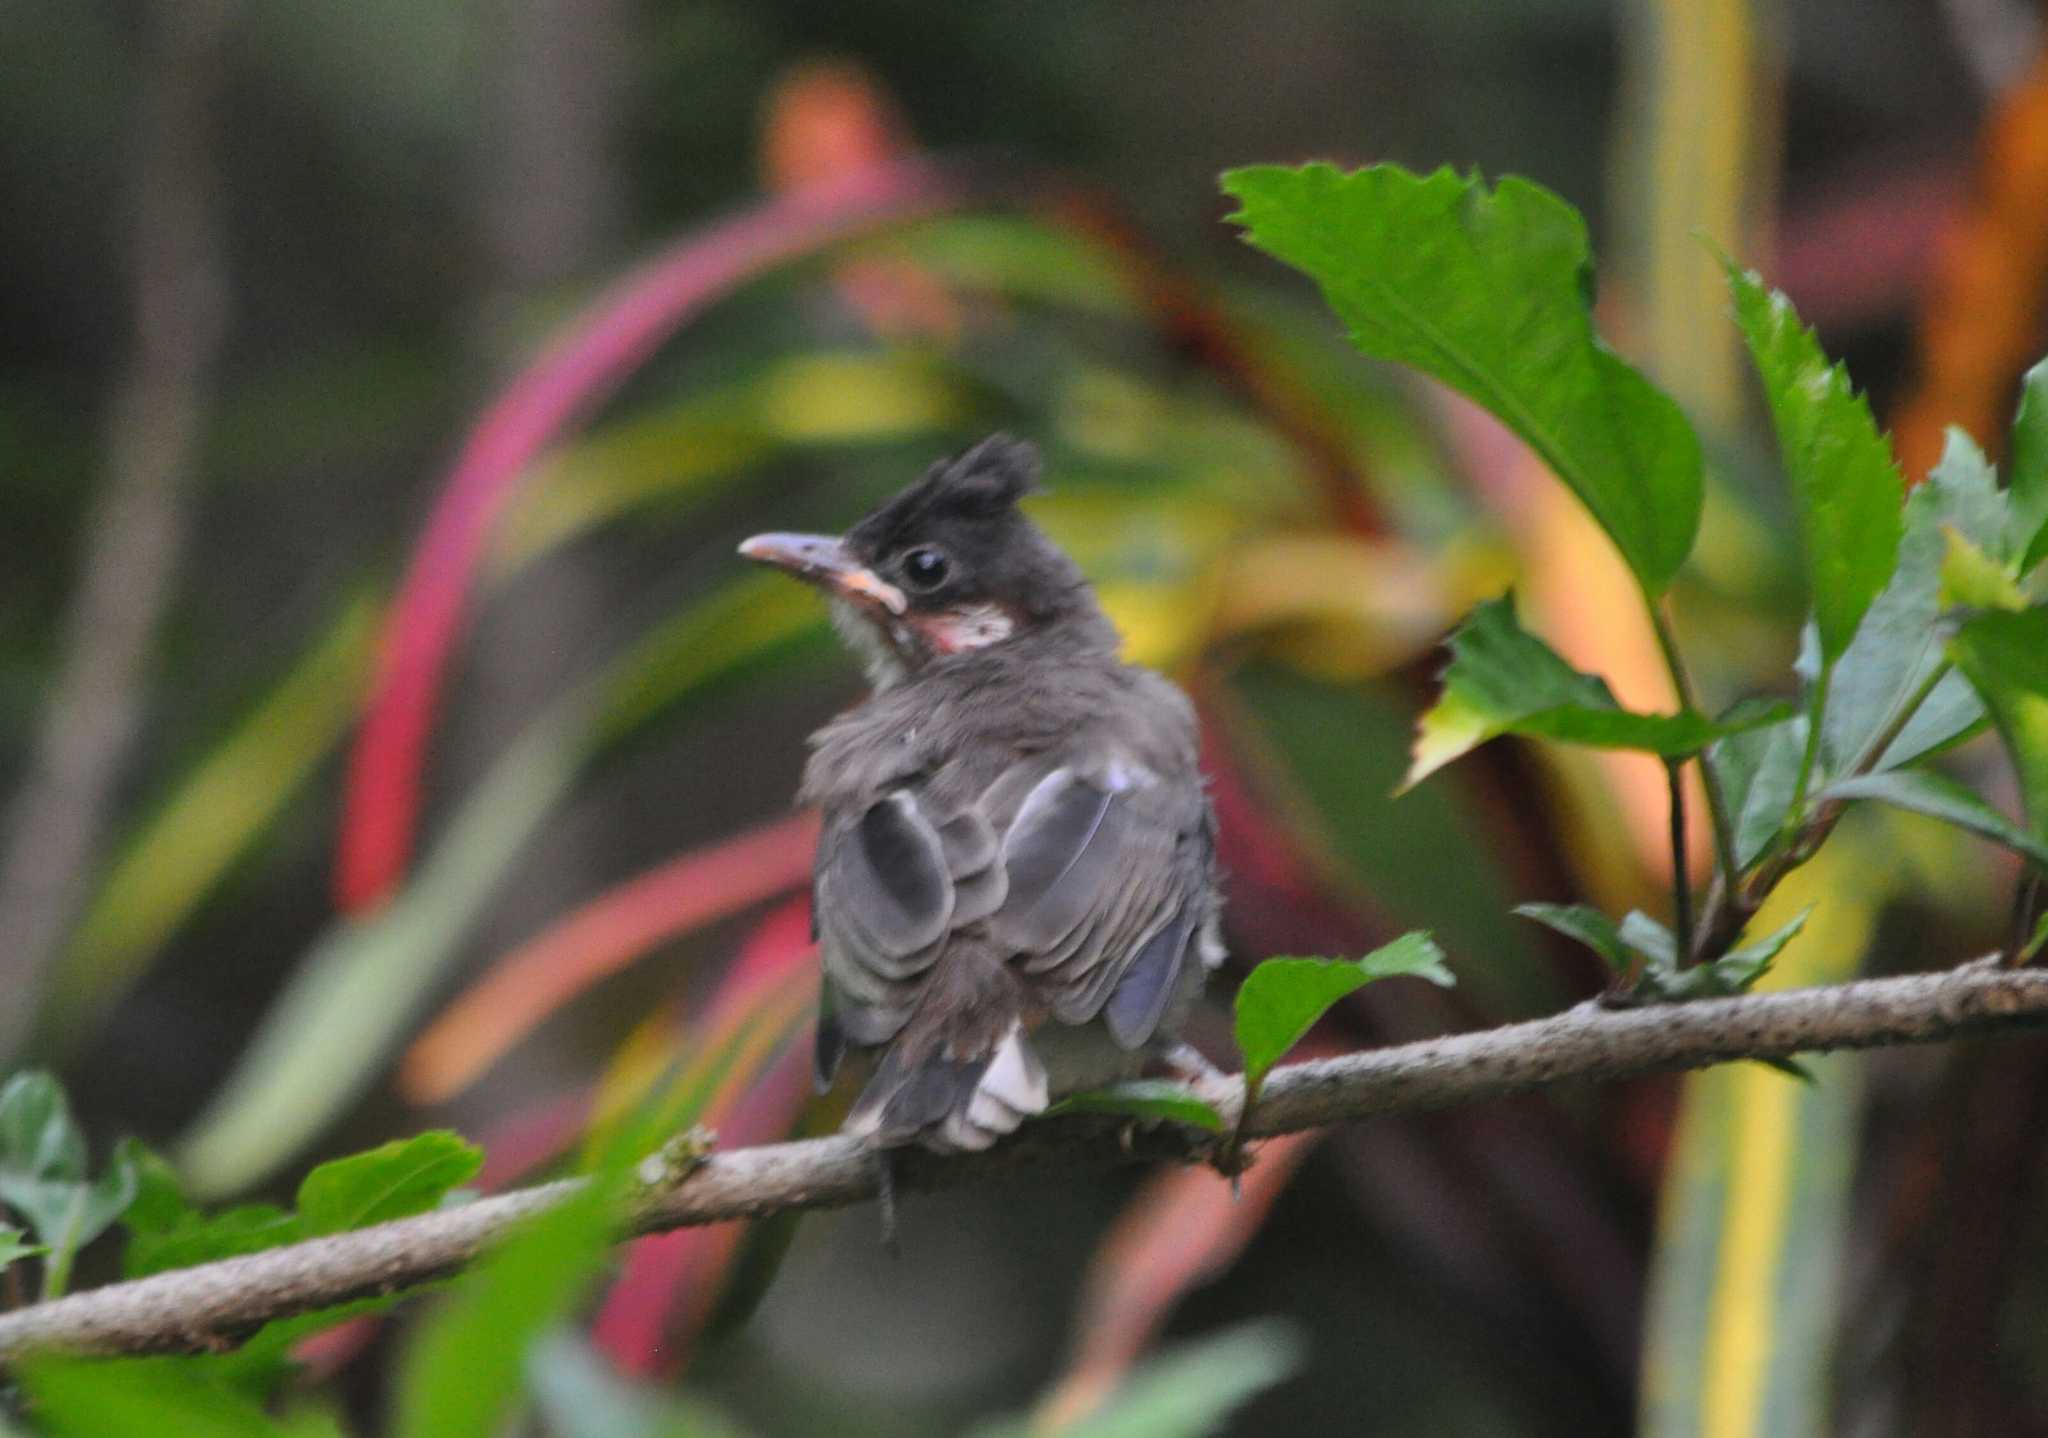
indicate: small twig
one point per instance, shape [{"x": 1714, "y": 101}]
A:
[
  {"x": 1710, "y": 779},
  {"x": 197, "y": 1308},
  {"x": 1681, "y": 862}
]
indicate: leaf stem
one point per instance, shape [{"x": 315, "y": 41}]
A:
[
  {"x": 1795, "y": 812},
  {"x": 1710, "y": 780},
  {"x": 1681, "y": 866},
  {"x": 1873, "y": 752}
]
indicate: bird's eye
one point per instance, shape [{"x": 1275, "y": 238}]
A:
[{"x": 926, "y": 568}]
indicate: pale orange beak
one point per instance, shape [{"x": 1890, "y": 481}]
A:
[{"x": 823, "y": 560}]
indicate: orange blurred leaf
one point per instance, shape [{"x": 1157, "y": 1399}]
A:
[
  {"x": 1980, "y": 313},
  {"x": 599, "y": 939}
]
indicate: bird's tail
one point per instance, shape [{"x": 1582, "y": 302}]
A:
[{"x": 962, "y": 1073}]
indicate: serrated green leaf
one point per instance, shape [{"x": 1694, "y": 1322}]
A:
[
  {"x": 394, "y": 1180},
  {"x": 1489, "y": 291},
  {"x": 1587, "y": 925},
  {"x": 1759, "y": 771},
  {"x": 1145, "y": 1098},
  {"x": 1185, "y": 1392},
  {"x": 1504, "y": 680},
  {"x": 144, "y": 1397},
  {"x": 1656, "y": 943},
  {"x": 1281, "y": 999},
  {"x": 1845, "y": 483},
  {"x": 2028, "y": 489},
  {"x": 2006, "y": 657},
  {"x": 1939, "y": 797},
  {"x": 1974, "y": 579}
]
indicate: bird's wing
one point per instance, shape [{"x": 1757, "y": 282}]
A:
[
  {"x": 1093, "y": 877},
  {"x": 1109, "y": 891},
  {"x": 891, "y": 883}
]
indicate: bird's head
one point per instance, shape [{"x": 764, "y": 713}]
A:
[{"x": 948, "y": 566}]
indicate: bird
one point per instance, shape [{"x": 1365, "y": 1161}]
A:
[{"x": 1015, "y": 890}]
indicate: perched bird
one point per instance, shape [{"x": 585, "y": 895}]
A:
[{"x": 1015, "y": 886}]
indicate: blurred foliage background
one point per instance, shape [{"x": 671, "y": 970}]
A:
[{"x": 390, "y": 737}]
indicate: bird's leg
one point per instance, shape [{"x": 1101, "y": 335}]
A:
[{"x": 885, "y": 1196}]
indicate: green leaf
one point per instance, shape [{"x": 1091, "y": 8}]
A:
[
  {"x": 461, "y": 1377},
  {"x": 13, "y": 1249},
  {"x": 2028, "y": 492},
  {"x": 1974, "y": 579},
  {"x": 1845, "y": 484},
  {"x": 1901, "y": 642},
  {"x": 165, "y": 1231},
  {"x": 43, "y": 1175},
  {"x": 1185, "y": 1392},
  {"x": 1281, "y": 999},
  {"x": 1939, "y": 797},
  {"x": 1656, "y": 943},
  {"x": 1489, "y": 291},
  {"x": 2035, "y": 941},
  {"x": 1759, "y": 770},
  {"x": 145, "y": 1397},
  {"x": 1504, "y": 680},
  {"x": 1587, "y": 925},
  {"x": 1734, "y": 973},
  {"x": 2006, "y": 657},
  {"x": 1145, "y": 1098},
  {"x": 396, "y": 1180}
]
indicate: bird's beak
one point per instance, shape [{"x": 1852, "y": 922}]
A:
[{"x": 823, "y": 560}]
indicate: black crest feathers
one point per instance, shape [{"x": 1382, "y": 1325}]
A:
[
  {"x": 984, "y": 481},
  {"x": 990, "y": 476}
]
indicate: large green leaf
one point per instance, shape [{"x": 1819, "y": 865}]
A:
[
  {"x": 1845, "y": 484},
  {"x": 1504, "y": 680},
  {"x": 2006, "y": 657},
  {"x": 1281, "y": 999},
  {"x": 1489, "y": 291},
  {"x": 1940, "y": 797}
]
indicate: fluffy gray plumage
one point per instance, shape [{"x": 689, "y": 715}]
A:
[{"x": 1015, "y": 886}]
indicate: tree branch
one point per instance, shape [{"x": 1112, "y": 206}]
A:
[{"x": 216, "y": 1304}]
